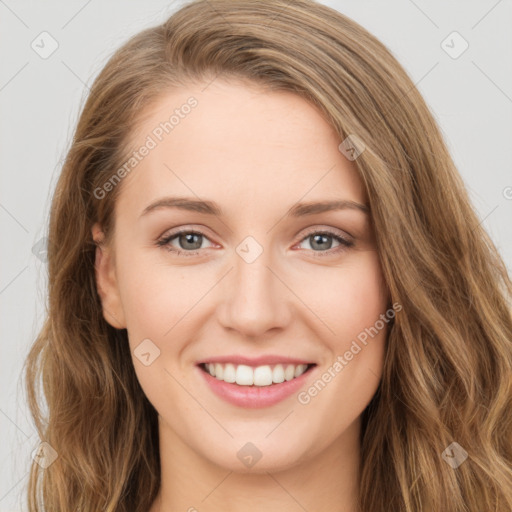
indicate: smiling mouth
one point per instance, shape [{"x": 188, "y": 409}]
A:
[{"x": 265, "y": 375}]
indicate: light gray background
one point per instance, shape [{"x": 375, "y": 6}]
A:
[{"x": 471, "y": 98}]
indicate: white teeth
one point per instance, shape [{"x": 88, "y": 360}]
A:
[
  {"x": 219, "y": 371},
  {"x": 278, "y": 374},
  {"x": 299, "y": 370},
  {"x": 229, "y": 373},
  {"x": 244, "y": 375},
  {"x": 265, "y": 375},
  {"x": 289, "y": 373}
]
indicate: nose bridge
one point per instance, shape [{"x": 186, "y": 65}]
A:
[{"x": 255, "y": 299}]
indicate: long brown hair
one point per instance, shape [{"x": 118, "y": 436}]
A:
[{"x": 448, "y": 366}]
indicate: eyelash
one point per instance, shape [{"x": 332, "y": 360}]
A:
[{"x": 344, "y": 243}]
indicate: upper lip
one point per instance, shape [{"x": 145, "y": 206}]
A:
[{"x": 255, "y": 361}]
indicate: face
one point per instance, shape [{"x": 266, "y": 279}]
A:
[{"x": 245, "y": 278}]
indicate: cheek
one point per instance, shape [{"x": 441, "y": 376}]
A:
[
  {"x": 353, "y": 297},
  {"x": 358, "y": 298},
  {"x": 155, "y": 295},
  {"x": 349, "y": 297},
  {"x": 351, "y": 371}
]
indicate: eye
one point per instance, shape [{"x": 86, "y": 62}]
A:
[
  {"x": 321, "y": 242},
  {"x": 189, "y": 242}
]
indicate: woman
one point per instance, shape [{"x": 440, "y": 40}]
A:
[{"x": 256, "y": 369}]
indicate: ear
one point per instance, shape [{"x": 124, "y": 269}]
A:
[{"x": 106, "y": 281}]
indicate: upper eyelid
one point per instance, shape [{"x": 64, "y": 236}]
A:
[{"x": 331, "y": 231}]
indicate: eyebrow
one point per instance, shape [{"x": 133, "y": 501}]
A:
[{"x": 211, "y": 208}]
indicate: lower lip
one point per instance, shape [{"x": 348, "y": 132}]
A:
[{"x": 254, "y": 397}]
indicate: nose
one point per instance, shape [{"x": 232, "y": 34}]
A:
[{"x": 254, "y": 298}]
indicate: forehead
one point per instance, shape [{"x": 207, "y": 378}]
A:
[{"x": 239, "y": 144}]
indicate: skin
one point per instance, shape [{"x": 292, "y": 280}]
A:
[{"x": 256, "y": 154}]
